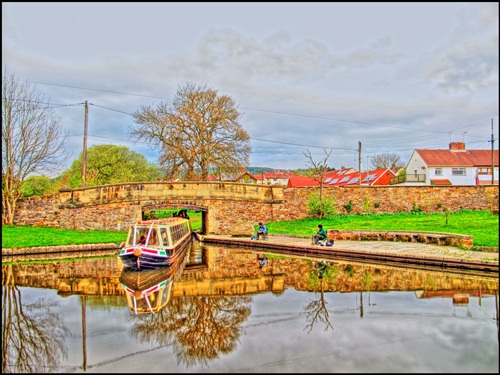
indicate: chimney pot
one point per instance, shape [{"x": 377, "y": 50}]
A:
[{"x": 457, "y": 146}]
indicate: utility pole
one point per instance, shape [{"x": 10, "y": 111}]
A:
[
  {"x": 359, "y": 161},
  {"x": 492, "y": 156},
  {"x": 84, "y": 156}
]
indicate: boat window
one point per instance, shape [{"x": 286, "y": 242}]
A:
[
  {"x": 178, "y": 231},
  {"x": 140, "y": 236},
  {"x": 164, "y": 236},
  {"x": 153, "y": 238}
]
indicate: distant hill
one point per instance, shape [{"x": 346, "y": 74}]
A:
[
  {"x": 257, "y": 170},
  {"x": 298, "y": 172}
]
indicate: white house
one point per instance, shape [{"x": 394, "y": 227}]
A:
[{"x": 455, "y": 166}]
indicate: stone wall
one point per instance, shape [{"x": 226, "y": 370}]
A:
[
  {"x": 391, "y": 199},
  {"x": 225, "y": 213}
]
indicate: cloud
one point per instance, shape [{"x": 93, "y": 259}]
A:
[
  {"x": 394, "y": 76},
  {"x": 466, "y": 67}
]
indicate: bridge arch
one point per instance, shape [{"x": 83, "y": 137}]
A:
[
  {"x": 153, "y": 206},
  {"x": 223, "y": 204}
]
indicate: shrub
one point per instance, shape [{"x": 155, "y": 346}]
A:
[
  {"x": 348, "y": 207},
  {"x": 36, "y": 186},
  {"x": 324, "y": 209}
]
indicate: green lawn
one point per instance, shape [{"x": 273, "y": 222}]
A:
[
  {"x": 25, "y": 236},
  {"x": 480, "y": 224}
]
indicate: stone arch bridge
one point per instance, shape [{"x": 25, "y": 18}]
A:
[
  {"x": 224, "y": 205},
  {"x": 228, "y": 207}
]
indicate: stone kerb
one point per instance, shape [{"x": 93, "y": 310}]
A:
[{"x": 437, "y": 238}]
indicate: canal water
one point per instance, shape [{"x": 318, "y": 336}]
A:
[{"x": 226, "y": 310}]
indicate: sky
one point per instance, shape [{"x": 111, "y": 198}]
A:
[{"x": 359, "y": 79}]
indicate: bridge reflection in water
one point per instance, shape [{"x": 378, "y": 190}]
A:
[{"x": 223, "y": 311}]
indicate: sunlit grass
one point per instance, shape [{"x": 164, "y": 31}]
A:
[
  {"x": 482, "y": 225},
  {"x": 26, "y": 236}
]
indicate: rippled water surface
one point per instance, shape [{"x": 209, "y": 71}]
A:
[{"x": 220, "y": 311}]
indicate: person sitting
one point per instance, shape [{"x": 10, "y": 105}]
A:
[
  {"x": 153, "y": 238},
  {"x": 322, "y": 269},
  {"x": 183, "y": 213},
  {"x": 320, "y": 235},
  {"x": 262, "y": 231},
  {"x": 142, "y": 240}
]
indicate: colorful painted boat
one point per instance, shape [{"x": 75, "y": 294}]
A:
[
  {"x": 155, "y": 243},
  {"x": 149, "y": 291}
]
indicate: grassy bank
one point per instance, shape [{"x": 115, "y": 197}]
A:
[
  {"x": 24, "y": 236},
  {"x": 480, "y": 224}
]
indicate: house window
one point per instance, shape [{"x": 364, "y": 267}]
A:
[
  {"x": 458, "y": 171},
  {"x": 484, "y": 170},
  {"x": 438, "y": 172}
]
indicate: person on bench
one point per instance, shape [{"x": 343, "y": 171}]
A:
[
  {"x": 262, "y": 231},
  {"x": 320, "y": 235}
]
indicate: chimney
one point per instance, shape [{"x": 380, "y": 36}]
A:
[{"x": 455, "y": 146}]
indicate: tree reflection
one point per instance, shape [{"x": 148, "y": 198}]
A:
[
  {"x": 200, "y": 329},
  {"x": 320, "y": 273},
  {"x": 32, "y": 335},
  {"x": 366, "y": 285}
]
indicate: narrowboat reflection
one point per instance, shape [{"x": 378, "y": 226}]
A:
[{"x": 149, "y": 291}]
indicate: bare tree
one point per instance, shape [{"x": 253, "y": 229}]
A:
[
  {"x": 32, "y": 139},
  {"x": 385, "y": 160},
  {"x": 197, "y": 133},
  {"x": 316, "y": 311},
  {"x": 319, "y": 170},
  {"x": 32, "y": 334}
]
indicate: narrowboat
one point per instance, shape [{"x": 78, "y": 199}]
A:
[
  {"x": 149, "y": 291},
  {"x": 155, "y": 243}
]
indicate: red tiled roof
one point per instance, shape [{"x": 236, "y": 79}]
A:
[
  {"x": 246, "y": 174},
  {"x": 371, "y": 178},
  {"x": 339, "y": 172},
  {"x": 442, "y": 181},
  {"x": 278, "y": 174},
  {"x": 472, "y": 158},
  {"x": 296, "y": 181}
]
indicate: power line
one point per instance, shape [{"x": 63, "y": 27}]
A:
[
  {"x": 111, "y": 109},
  {"x": 260, "y": 110},
  {"x": 312, "y": 146},
  {"x": 386, "y": 142},
  {"x": 296, "y": 144},
  {"x": 100, "y": 90}
]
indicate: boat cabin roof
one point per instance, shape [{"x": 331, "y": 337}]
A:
[{"x": 164, "y": 221}]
